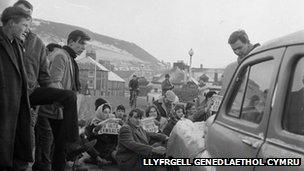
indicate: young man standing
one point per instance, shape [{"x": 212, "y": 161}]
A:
[
  {"x": 241, "y": 46},
  {"x": 15, "y": 141},
  {"x": 166, "y": 84},
  {"x": 65, "y": 74},
  {"x": 133, "y": 86}
]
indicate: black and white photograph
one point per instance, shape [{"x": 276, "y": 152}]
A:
[{"x": 151, "y": 85}]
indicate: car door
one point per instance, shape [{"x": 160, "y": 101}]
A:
[
  {"x": 240, "y": 126},
  {"x": 285, "y": 136}
]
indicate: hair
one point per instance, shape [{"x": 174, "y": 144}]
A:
[
  {"x": 238, "y": 35},
  {"x": 99, "y": 102},
  {"x": 106, "y": 105},
  {"x": 179, "y": 106},
  {"x": 15, "y": 14},
  {"x": 167, "y": 76},
  {"x": 50, "y": 47},
  {"x": 157, "y": 111},
  {"x": 139, "y": 112},
  {"x": 78, "y": 35},
  {"x": 210, "y": 94},
  {"x": 121, "y": 107},
  {"x": 25, "y": 3}
]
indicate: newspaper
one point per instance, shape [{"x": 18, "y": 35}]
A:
[
  {"x": 149, "y": 124},
  {"x": 110, "y": 128}
]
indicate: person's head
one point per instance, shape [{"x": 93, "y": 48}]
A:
[
  {"x": 152, "y": 111},
  {"x": 167, "y": 76},
  {"x": 99, "y": 102},
  {"x": 51, "y": 47},
  {"x": 134, "y": 77},
  {"x": 16, "y": 21},
  {"x": 25, "y": 5},
  {"x": 104, "y": 111},
  {"x": 120, "y": 111},
  {"x": 209, "y": 94},
  {"x": 77, "y": 41},
  {"x": 190, "y": 109},
  {"x": 135, "y": 116},
  {"x": 179, "y": 111},
  {"x": 240, "y": 43},
  {"x": 169, "y": 97},
  {"x": 254, "y": 101}
]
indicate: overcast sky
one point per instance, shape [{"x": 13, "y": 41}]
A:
[{"x": 167, "y": 29}]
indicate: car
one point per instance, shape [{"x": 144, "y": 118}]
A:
[{"x": 262, "y": 112}]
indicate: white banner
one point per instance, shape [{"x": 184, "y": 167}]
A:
[
  {"x": 110, "y": 128},
  {"x": 149, "y": 125}
]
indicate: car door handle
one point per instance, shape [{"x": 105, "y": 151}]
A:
[
  {"x": 245, "y": 141},
  {"x": 250, "y": 143}
]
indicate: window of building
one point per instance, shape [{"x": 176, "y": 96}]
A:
[{"x": 293, "y": 118}]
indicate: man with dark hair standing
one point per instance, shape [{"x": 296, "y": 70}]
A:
[
  {"x": 241, "y": 46},
  {"x": 15, "y": 141},
  {"x": 134, "y": 88},
  {"x": 41, "y": 91},
  {"x": 65, "y": 74},
  {"x": 166, "y": 84}
]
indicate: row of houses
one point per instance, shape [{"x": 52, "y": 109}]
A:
[{"x": 98, "y": 80}]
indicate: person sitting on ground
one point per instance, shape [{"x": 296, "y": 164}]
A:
[
  {"x": 178, "y": 113},
  {"x": 121, "y": 113},
  {"x": 106, "y": 143},
  {"x": 134, "y": 143},
  {"x": 165, "y": 103},
  {"x": 160, "y": 121},
  {"x": 190, "y": 111},
  {"x": 204, "y": 108}
]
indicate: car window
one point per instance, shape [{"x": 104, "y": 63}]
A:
[
  {"x": 251, "y": 89},
  {"x": 259, "y": 82},
  {"x": 293, "y": 118}
]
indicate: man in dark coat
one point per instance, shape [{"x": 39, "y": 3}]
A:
[
  {"x": 133, "y": 86},
  {"x": 15, "y": 139},
  {"x": 166, "y": 84}
]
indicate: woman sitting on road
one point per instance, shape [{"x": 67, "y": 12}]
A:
[
  {"x": 134, "y": 144},
  {"x": 106, "y": 143},
  {"x": 160, "y": 121},
  {"x": 178, "y": 113}
]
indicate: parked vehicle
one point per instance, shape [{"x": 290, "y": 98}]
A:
[{"x": 262, "y": 111}]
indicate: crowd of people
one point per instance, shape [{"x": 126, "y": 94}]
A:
[{"x": 33, "y": 75}]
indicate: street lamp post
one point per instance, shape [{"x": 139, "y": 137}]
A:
[{"x": 191, "y": 52}]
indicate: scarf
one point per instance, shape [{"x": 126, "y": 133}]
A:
[{"x": 73, "y": 55}]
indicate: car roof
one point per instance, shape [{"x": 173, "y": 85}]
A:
[{"x": 290, "y": 39}]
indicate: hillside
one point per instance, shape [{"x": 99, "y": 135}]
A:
[{"x": 110, "y": 48}]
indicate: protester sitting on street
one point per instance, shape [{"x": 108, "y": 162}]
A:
[
  {"x": 204, "y": 108},
  {"x": 121, "y": 113},
  {"x": 190, "y": 111},
  {"x": 134, "y": 144},
  {"x": 178, "y": 113},
  {"x": 165, "y": 103},
  {"x": 106, "y": 143},
  {"x": 160, "y": 121}
]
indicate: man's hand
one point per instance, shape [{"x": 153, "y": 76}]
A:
[{"x": 159, "y": 150}]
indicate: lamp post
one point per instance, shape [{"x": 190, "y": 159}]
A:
[{"x": 191, "y": 52}]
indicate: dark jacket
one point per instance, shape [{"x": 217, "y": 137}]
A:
[
  {"x": 134, "y": 143},
  {"x": 35, "y": 62},
  {"x": 14, "y": 106},
  {"x": 133, "y": 85},
  {"x": 166, "y": 85},
  {"x": 170, "y": 125},
  {"x": 161, "y": 107}
]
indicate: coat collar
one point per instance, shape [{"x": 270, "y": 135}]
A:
[{"x": 9, "y": 49}]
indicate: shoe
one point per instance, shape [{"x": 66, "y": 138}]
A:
[{"x": 77, "y": 148}]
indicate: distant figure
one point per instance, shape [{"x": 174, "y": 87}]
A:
[
  {"x": 241, "y": 46},
  {"x": 134, "y": 88},
  {"x": 166, "y": 84}
]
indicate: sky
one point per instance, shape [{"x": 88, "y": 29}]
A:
[{"x": 168, "y": 29}]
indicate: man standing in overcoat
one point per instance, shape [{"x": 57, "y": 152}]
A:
[{"x": 15, "y": 139}]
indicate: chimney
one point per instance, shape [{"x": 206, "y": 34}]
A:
[{"x": 201, "y": 65}]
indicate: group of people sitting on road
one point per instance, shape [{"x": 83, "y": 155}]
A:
[{"x": 134, "y": 141}]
